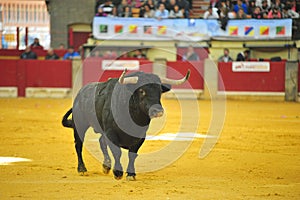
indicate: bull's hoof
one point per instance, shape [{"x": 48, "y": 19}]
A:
[
  {"x": 118, "y": 174},
  {"x": 81, "y": 169},
  {"x": 130, "y": 178},
  {"x": 83, "y": 173},
  {"x": 106, "y": 166},
  {"x": 105, "y": 169}
]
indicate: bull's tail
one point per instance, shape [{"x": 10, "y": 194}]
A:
[{"x": 67, "y": 122}]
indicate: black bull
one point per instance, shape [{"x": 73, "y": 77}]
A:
[{"x": 121, "y": 109}]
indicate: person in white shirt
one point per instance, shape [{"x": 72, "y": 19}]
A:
[
  {"x": 211, "y": 13},
  {"x": 260, "y": 3}
]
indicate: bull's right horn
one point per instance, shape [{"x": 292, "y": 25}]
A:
[
  {"x": 176, "y": 82},
  {"x": 127, "y": 80}
]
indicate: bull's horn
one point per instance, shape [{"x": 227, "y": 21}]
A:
[
  {"x": 176, "y": 82},
  {"x": 127, "y": 80}
]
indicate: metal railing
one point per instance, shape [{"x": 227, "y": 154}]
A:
[{"x": 24, "y": 13}]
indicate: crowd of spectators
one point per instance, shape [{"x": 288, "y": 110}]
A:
[
  {"x": 159, "y": 9},
  {"x": 218, "y": 9},
  {"x": 162, "y": 9},
  {"x": 30, "y": 52},
  {"x": 255, "y": 9}
]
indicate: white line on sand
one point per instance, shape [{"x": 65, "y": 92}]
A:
[
  {"x": 9, "y": 160},
  {"x": 181, "y": 136}
]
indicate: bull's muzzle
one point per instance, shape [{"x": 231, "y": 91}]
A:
[{"x": 156, "y": 111}]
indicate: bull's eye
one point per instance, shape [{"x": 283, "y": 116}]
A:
[{"x": 142, "y": 92}]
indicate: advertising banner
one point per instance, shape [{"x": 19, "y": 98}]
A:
[
  {"x": 115, "y": 28},
  {"x": 250, "y": 66},
  {"x": 120, "y": 64}
]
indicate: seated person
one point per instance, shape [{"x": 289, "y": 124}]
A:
[
  {"x": 147, "y": 12},
  {"x": 176, "y": 12},
  {"x": 110, "y": 54},
  {"x": 71, "y": 54},
  {"x": 172, "y": 3},
  {"x": 243, "y": 56},
  {"x": 265, "y": 7},
  {"x": 28, "y": 54},
  {"x": 161, "y": 12},
  {"x": 287, "y": 12},
  {"x": 184, "y": 5},
  {"x": 274, "y": 13},
  {"x": 61, "y": 46},
  {"x": 100, "y": 13},
  {"x": 96, "y": 53},
  {"x": 240, "y": 5},
  {"x": 51, "y": 55},
  {"x": 135, "y": 3},
  {"x": 124, "y": 9},
  {"x": 190, "y": 55},
  {"x": 125, "y": 55},
  {"x": 108, "y": 8},
  {"x": 225, "y": 57},
  {"x": 139, "y": 54},
  {"x": 36, "y": 44},
  {"x": 151, "y": 3},
  {"x": 241, "y": 14},
  {"x": 258, "y": 14},
  {"x": 126, "y": 12},
  {"x": 211, "y": 13}
]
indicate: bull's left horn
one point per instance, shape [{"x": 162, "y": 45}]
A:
[
  {"x": 127, "y": 80},
  {"x": 176, "y": 82}
]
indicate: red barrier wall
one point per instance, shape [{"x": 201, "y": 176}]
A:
[
  {"x": 178, "y": 69},
  {"x": 58, "y": 73},
  {"x": 52, "y": 73},
  {"x": 273, "y": 81},
  {"x": 35, "y": 73},
  {"x": 93, "y": 72},
  {"x": 8, "y": 73}
]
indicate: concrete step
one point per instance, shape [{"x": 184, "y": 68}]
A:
[
  {"x": 8, "y": 92},
  {"x": 35, "y": 92}
]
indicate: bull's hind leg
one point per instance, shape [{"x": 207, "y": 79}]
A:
[
  {"x": 78, "y": 146},
  {"x": 107, "y": 161},
  {"x": 116, "y": 151}
]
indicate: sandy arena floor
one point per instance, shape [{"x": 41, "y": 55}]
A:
[{"x": 257, "y": 155}]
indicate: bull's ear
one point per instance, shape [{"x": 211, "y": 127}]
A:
[{"x": 165, "y": 87}]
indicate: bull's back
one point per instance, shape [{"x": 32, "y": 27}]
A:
[
  {"x": 89, "y": 103},
  {"x": 103, "y": 102}
]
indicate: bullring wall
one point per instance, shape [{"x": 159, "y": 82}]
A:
[{"x": 37, "y": 78}]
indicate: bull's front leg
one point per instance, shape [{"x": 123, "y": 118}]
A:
[
  {"x": 118, "y": 170},
  {"x": 130, "y": 168},
  {"x": 132, "y": 155}
]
